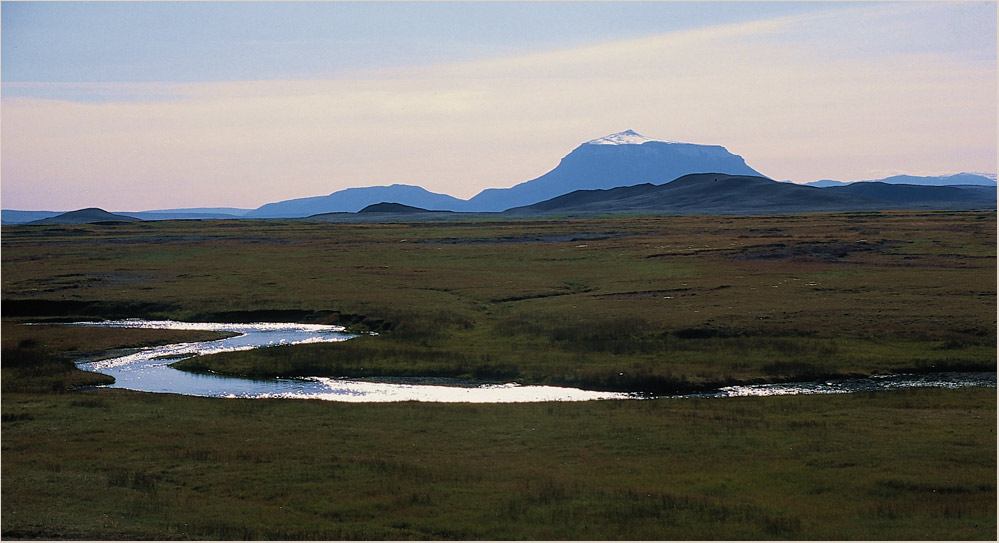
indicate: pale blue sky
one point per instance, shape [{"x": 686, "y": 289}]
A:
[
  {"x": 134, "y": 106},
  {"x": 235, "y": 41}
]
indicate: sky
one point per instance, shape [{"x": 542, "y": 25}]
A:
[{"x": 133, "y": 106}]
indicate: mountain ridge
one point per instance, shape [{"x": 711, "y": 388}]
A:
[
  {"x": 713, "y": 193},
  {"x": 963, "y": 178},
  {"x": 623, "y": 159},
  {"x": 618, "y": 159},
  {"x": 354, "y": 199}
]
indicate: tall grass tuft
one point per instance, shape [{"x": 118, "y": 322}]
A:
[{"x": 132, "y": 478}]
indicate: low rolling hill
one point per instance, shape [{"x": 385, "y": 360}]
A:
[
  {"x": 713, "y": 193},
  {"x": 925, "y": 196},
  {"x": 85, "y": 216},
  {"x": 355, "y": 199},
  {"x": 392, "y": 207}
]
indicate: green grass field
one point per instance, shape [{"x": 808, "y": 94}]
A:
[
  {"x": 896, "y": 465},
  {"x": 655, "y": 304},
  {"x": 626, "y": 303}
]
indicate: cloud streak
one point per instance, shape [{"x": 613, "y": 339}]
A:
[{"x": 783, "y": 93}]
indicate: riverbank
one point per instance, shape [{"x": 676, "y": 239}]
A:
[
  {"x": 652, "y": 365},
  {"x": 42, "y": 358},
  {"x": 653, "y": 304}
]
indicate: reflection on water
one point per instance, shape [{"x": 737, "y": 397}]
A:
[
  {"x": 148, "y": 370},
  {"x": 861, "y": 384},
  {"x": 352, "y": 390}
]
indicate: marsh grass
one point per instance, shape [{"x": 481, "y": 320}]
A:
[
  {"x": 363, "y": 356},
  {"x": 624, "y": 303},
  {"x": 653, "y": 303},
  {"x": 916, "y": 464},
  {"x": 623, "y": 356},
  {"x": 132, "y": 478},
  {"x": 30, "y": 367}
]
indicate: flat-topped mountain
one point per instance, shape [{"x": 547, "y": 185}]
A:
[
  {"x": 84, "y": 216},
  {"x": 621, "y": 159}
]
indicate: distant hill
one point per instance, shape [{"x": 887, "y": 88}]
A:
[
  {"x": 17, "y": 216},
  {"x": 730, "y": 194},
  {"x": 922, "y": 196},
  {"x": 13, "y": 216},
  {"x": 179, "y": 215},
  {"x": 641, "y": 167},
  {"x": 392, "y": 207},
  {"x": 190, "y": 213},
  {"x": 622, "y": 159},
  {"x": 355, "y": 199},
  {"x": 84, "y": 216},
  {"x": 235, "y": 211},
  {"x": 941, "y": 180},
  {"x": 698, "y": 193}
]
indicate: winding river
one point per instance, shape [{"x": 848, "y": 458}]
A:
[{"x": 149, "y": 370}]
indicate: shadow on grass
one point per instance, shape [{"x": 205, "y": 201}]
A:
[{"x": 28, "y": 367}]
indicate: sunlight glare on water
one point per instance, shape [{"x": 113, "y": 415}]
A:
[
  {"x": 149, "y": 371},
  {"x": 861, "y": 384},
  {"x": 365, "y": 391}
]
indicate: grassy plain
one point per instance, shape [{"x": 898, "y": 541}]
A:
[
  {"x": 657, "y": 304},
  {"x": 911, "y": 465},
  {"x": 632, "y": 303}
]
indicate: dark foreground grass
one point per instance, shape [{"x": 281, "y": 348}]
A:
[{"x": 916, "y": 464}]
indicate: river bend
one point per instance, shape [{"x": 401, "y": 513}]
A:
[{"x": 148, "y": 370}]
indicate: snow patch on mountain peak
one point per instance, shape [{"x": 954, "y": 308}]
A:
[{"x": 628, "y": 137}]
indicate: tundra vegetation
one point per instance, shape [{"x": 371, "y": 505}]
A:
[{"x": 640, "y": 303}]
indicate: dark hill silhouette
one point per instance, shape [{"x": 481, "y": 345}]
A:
[
  {"x": 729, "y": 194},
  {"x": 85, "y": 216},
  {"x": 392, "y": 207},
  {"x": 923, "y": 195}
]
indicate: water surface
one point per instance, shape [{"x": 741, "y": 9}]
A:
[
  {"x": 149, "y": 371},
  {"x": 950, "y": 379}
]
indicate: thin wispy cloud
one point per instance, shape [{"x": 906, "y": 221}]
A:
[{"x": 785, "y": 93}]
